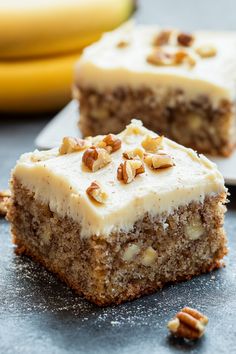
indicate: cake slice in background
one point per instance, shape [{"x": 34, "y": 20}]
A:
[
  {"x": 119, "y": 216},
  {"x": 181, "y": 85}
]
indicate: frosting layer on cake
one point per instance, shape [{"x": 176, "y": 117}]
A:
[
  {"x": 61, "y": 182},
  {"x": 105, "y": 65}
]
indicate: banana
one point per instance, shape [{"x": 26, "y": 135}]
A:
[
  {"x": 29, "y": 29},
  {"x": 40, "y": 85}
]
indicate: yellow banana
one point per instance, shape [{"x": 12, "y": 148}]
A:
[
  {"x": 40, "y": 85},
  {"x": 39, "y": 28}
]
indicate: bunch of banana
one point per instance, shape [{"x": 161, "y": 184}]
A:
[{"x": 39, "y": 43}]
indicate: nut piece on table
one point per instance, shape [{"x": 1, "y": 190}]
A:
[
  {"x": 95, "y": 158},
  {"x": 151, "y": 144},
  {"x": 4, "y": 200},
  {"x": 136, "y": 153},
  {"x": 188, "y": 323},
  {"x": 206, "y": 51},
  {"x": 159, "y": 161},
  {"x": 128, "y": 170},
  {"x": 70, "y": 144},
  {"x": 162, "y": 38},
  {"x": 111, "y": 143},
  {"x": 96, "y": 192},
  {"x": 185, "y": 39}
]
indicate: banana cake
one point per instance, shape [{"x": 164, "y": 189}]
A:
[
  {"x": 181, "y": 85},
  {"x": 119, "y": 216}
]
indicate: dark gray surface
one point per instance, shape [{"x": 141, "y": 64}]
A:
[{"x": 38, "y": 314}]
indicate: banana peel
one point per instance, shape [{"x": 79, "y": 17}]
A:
[
  {"x": 40, "y": 85},
  {"x": 40, "y": 42},
  {"x": 30, "y": 29}
]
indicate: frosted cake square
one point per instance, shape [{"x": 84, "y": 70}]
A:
[
  {"x": 119, "y": 216},
  {"x": 181, "y": 85}
]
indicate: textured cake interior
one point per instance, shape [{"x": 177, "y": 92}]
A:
[
  {"x": 118, "y": 268},
  {"x": 196, "y": 123}
]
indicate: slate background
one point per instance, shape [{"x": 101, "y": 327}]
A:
[{"x": 39, "y": 314}]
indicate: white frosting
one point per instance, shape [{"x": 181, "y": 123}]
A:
[
  {"x": 61, "y": 182},
  {"x": 105, "y": 66}
]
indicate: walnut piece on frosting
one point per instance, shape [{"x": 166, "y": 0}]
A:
[
  {"x": 122, "y": 43},
  {"x": 162, "y": 38},
  {"x": 70, "y": 144},
  {"x": 206, "y": 51},
  {"x": 185, "y": 39},
  {"x": 158, "y": 161},
  {"x": 135, "y": 127},
  {"x": 184, "y": 57},
  {"x": 128, "y": 170},
  {"x": 96, "y": 192},
  {"x": 160, "y": 57},
  {"x": 152, "y": 144},
  {"x": 110, "y": 143},
  {"x": 190, "y": 60},
  {"x": 95, "y": 158},
  {"x": 136, "y": 153}
]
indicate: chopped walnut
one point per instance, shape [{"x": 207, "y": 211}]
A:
[
  {"x": 194, "y": 121},
  {"x": 151, "y": 144},
  {"x": 70, "y": 144},
  {"x": 206, "y": 51},
  {"x": 128, "y": 170},
  {"x": 4, "y": 200},
  {"x": 136, "y": 153},
  {"x": 185, "y": 39},
  {"x": 149, "y": 256},
  {"x": 111, "y": 143},
  {"x": 194, "y": 229},
  {"x": 96, "y": 192},
  {"x": 159, "y": 160},
  {"x": 162, "y": 38},
  {"x": 190, "y": 60},
  {"x": 135, "y": 127},
  {"x": 180, "y": 56},
  {"x": 183, "y": 57},
  {"x": 161, "y": 58},
  {"x": 130, "y": 252},
  {"x": 95, "y": 158},
  {"x": 122, "y": 44},
  {"x": 188, "y": 323}
]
